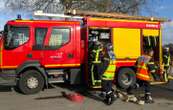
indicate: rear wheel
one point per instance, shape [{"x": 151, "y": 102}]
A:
[
  {"x": 31, "y": 82},
  {"x": 126, "y": 77}
]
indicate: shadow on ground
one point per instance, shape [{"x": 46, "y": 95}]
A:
[
  {"x": 80, "y": 89},
  {"x": 5, "y": 88},
  {"x": 162, "y": 92},
  {"x": 158, "y": 92}
]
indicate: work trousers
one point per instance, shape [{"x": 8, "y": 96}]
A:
[
  {"x": 166, "y": 69},
  {"x": 106, "y": 85},
  {"x": 98, "y": 70}
]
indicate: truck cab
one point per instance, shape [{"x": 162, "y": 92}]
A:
[{"x": 36, "y": 52}]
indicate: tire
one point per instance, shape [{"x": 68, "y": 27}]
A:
[
  {"x": 31, "y": 82},
  {"x": 126, "y": 77}
]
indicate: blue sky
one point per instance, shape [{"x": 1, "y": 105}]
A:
[
  {"x": 159, "y": 8},
  {"x": 163, "y": 9}
]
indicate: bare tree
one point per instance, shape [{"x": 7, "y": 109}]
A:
[
  {"x": 52, "y": 6},
  {"x": 123, "y": 6}
]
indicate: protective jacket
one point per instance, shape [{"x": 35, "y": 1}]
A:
[
  {"x": 166, "y": 60},
  {"x": 109, "y": 73},
  {"x": 142, "y": 72}
]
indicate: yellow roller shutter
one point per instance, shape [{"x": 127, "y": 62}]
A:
[
  {"x": 126, "y": 42},
  {"x": 150, "y": 32}
]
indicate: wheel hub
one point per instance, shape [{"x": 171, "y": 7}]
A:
[
  {"x": 32, "y": 82},
  {"x": 126, "y": 79}
]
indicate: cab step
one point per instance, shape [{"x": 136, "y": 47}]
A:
[
  {"x": 56, "y": 76},
  {"x": 56, "y": 80},
  {"x": 170, "y": 77},
  {"x": 158, "y": 82},
  {"x": 55, "y": 72}
]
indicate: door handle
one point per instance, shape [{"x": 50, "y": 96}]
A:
[
  {"x": 54, "y": 57},
  {"x": 29, "y": 55},
  {"x": 70, "y": 55},
  {"x": 127, "y": 58}
]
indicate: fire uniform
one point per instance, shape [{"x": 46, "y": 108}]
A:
[
  {"x": 166, "y": 60},
  {"x": 143, "y": 74},
  {"x": 108, "y": 74},
  {"x": 96, "y": 64}
]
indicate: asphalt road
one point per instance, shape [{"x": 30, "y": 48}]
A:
[{"x": 52, "y": 99}]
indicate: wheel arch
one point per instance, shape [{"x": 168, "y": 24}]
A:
[
  {"x": 118, "y": 72},
  {"x": 35, "y": 65},
  {"x": 123, "y": 67}
]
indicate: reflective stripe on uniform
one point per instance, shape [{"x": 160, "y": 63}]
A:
[
  {"x": 111, "y": 67},
  {"x": 96, "y": 60},
  {"x": 92, "y": 77},
  {"x": 97, "y": 52},
  {"x": 150, "y": 63},
  {"x": 111, "y": 77},
  {"x": 110, "y": 72},
  {"x": 142, "y": 75},
  {"x": 168, "y": 63},
  {"x": 168, "y": 60},
  {"x": 142, "y": 72},
  {"x": 142, "y": 67},
  {"x": 103, "y": 78}
]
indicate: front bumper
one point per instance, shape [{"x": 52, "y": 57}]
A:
[{"x": 7, "y": 77}]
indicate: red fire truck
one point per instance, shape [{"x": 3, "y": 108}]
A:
[{"x": 34, "y": 53}]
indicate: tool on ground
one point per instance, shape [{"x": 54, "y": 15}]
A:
[{"x": 74, "y": 97}]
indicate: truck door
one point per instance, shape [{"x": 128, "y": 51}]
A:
[
  {"x": 151, "y": 40},
  {"x": 102, "y": 35},
  {"x": 40, "y": 33},
  {"x": 16, "y": 46},
  {"x": 60, "y": 48}
]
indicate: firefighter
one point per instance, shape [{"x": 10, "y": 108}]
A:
[
  {"x": 143, "y": 73},
  {"x": 96, "y": 63},
  {"x": 108, "y": 74},
  {"x": 153, "y": 67},
  {"x": 166, "y": 59}
]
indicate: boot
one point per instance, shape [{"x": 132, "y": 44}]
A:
[
  {"x": 148, "y": 99},
  {"x": 102, "y": 95},
  {"x": 110, "y": 98}
]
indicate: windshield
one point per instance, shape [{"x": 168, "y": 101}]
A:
[{"x": 15, "y": 36}]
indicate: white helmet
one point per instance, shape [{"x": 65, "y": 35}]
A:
[
  {"x": 109, "y": 46},
  {"x": 166, "y": 49}
]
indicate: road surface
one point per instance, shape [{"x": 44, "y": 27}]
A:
[{"x": 52, "y": 99}]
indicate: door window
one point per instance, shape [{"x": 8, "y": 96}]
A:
[
  {"x": 59, "y": 37},
  {"x": 16, "y": 36},
  {"x": 40, "y": 34}
]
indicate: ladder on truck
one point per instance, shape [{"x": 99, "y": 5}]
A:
[
  {"x": 78, "y": 14},
  {"x": 40, "y": 13}
]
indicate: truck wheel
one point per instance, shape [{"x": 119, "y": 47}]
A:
[
  {"x": 31, "y": 82},
  {"x": 126, "y": 77}
]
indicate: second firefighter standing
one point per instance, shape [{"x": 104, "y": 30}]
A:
[
  {"x": 166, "y": 59},
  {"x": 108, "y": 74},
  {"x": 103, "y": 70},
  {"x": 144, "y": 72}
]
